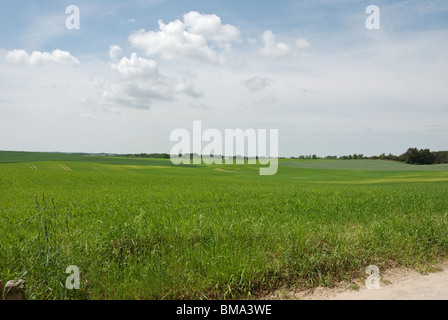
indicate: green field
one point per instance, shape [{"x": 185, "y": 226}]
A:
[{"x": 145, "y": 229}]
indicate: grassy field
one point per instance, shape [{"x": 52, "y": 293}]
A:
[{"x": 145, "y": 229}]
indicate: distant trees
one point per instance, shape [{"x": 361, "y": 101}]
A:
[
  {"x": 146, "y": 155},
  {"x": 415, "y": 156},
  {"x": 440, "y": 157},
  {"x": 383, "y": 156},
  {"x": 309, "y": 157},
  {"x": 315, "y": 157},
  {"x": 353, "y": 157},
  {"x": 411, "y": 156}
]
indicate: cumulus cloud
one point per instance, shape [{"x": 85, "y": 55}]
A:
[
  {"x": 37, "y": 58},
  {"x": 137, "y": 82},
  {"x": 275, "y": 49},
  {"x": 115, "y": 52},
  {"x": 136, "y": 67},
  {"x": 210, "y": 27},
  {"x": 258, "y": 83},
  {"x": 199, "y": 37}
]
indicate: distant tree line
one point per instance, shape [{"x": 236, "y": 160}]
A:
[
  {"x": 411, "y": 156},
  {"x": 424, "y": 156},
  {"x": 147, "y": 155},
  {"x": 353, "y": 157},
  {"x": 313, "y": 157},
  {"x": 440, "y": 157},
  {"x": 417, "y": 156},
  {"x": 192, "y": 156}
]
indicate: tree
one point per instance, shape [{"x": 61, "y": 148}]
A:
[
  {"x": 440, "y": 157},
  {"x": 415, "y": 156},
  {"x": 426, "y": 157}
]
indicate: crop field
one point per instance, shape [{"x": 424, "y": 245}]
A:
[{"x": 145, "y": 229}]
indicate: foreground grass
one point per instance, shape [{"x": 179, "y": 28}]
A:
[{"x": 159, "y": 232}]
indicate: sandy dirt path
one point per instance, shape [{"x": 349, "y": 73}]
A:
[{"x": 397, "y": 284}]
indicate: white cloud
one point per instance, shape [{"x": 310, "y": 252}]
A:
[
  {"x": 275, "y": 49},
  {"x": 200, "y": 38},
  {"x": 210, "y": 27},
  {"x": 115, "y": 52},
  {"x": 37, "y": 58},
  {"x": 258, "y": 83},
  {"x": 136, "y": 67},
  {"x": 137, "y": 83},
  {"x": 302, "y": 44}
]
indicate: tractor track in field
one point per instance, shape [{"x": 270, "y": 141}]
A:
[{"x": 64, "y": 167}]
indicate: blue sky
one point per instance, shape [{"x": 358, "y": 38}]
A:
[{"x": 128, "y": 77}]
